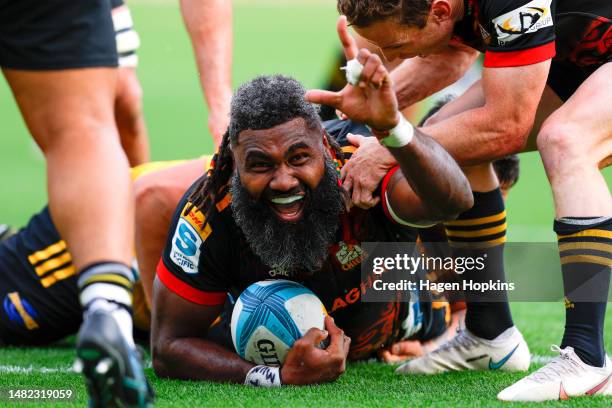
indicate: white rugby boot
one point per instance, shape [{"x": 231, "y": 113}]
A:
[
  {"x": 564, "y": 377},
  {"x": 506, "y": 352}
]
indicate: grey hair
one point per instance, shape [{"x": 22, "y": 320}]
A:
[{"x": 269, "y": 101}]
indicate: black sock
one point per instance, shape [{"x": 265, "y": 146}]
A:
[
  {"x": 585, "y": 248},
  {"x": 481, "y": 232}
]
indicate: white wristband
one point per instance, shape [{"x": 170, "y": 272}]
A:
[
  {"x": 400, "y": 135},
  {"x": 353, "y": 70},
  {"x": 263, "y": 376}
]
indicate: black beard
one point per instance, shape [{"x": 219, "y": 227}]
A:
[{"x": 296, "y": 247}]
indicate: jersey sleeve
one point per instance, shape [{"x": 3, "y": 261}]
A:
[
  {"x": 195, "y": 263},
  {"x": 521, "y": 32}
]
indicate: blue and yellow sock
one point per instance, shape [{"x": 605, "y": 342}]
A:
[
  {"x": 585, "y": 248},
  {"x": 481, "y": 232}
]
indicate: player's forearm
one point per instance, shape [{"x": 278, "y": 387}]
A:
[
  {"x": 198, "y": 359},
  {"x": 481, "y": 135},
  {"x": 434, "y": 176},
  {"x": 417, "y": 78},
  {"x": 209, "y": 23}
]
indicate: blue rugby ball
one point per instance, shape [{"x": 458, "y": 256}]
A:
[{"x": 269, "y": 316}]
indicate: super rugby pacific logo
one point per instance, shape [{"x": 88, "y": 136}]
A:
[
  {"x": 528, "y": 18},
  {"x": 186, "y": 247}
]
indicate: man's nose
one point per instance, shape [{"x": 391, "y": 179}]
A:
[{"x": 284, "y": 180}]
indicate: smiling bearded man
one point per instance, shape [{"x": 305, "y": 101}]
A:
[{"x": 272, "y": 205}]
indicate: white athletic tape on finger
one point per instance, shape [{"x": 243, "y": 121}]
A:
[
  {"x": 263, "y": 376},
  {"x": 400, "y": 135},
  {"x": 352, "y": 70}
]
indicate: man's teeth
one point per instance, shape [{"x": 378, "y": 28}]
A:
[{"x": 286, "y": 200}]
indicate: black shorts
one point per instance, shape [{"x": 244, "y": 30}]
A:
[
  {"x": 38, "y": 286},
  {"x": 56, "y": 34},
  {"x": 584, "y": 43},
  {"x": 564, "y": 78}
]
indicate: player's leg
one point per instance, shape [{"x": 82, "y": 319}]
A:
[
  {"x": 70, "y": 115},
  {"x": 478, "y": 232},
  {"x": 58, "y": 58},
  {"x": 128, "y": 105},
  {"x": 157, "y": 195},
  {"x": 130, "y": 118},
  {"x": 575, "y": 142}
]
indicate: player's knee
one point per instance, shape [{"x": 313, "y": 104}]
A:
[
  {"x": 149, "y": 197},
  {"x": 83, "y": 134},
  {"x": 560, "y": 139},
  {"x": 562, "y": 146}
]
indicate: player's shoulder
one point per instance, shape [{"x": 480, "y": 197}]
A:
[{"x": 195, "y": 229}]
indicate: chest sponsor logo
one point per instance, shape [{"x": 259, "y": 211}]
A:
[
  {"x": 278, "y": 272},
  {"x": 349, "y": 255},
  {"x": 526, "y": 19},
  {"x": 186, "y": 244}
]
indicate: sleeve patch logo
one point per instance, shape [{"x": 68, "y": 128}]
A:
[
  {"x": 197, "y": 220},
  {"x": 524, "y": 20},
  {"x": 186, "y": 244}
]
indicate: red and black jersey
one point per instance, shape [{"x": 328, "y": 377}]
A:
[
  {"x": 524, "y": 32},
  {"x": 205, "y": 259}
]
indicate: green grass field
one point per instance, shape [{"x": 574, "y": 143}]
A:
[{"x": 295, "y": 38}]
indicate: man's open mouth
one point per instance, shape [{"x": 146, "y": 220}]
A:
[{"x": 288, "y": 208}]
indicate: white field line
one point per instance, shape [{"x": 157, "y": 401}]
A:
[{"x": 15, "y": 369}]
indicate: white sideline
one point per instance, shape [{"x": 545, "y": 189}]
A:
[{"x": 14, "y": 369}]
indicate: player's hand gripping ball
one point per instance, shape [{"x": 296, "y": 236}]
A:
[{"x": 270, "y": 316}]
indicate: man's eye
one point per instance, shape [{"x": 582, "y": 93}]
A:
[
  {"x": 299, "y": 159},
  {"x": 260, "y": 166}
]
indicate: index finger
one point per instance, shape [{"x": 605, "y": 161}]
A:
[
  {"x": 348, "y": 42},
  {"x": 336, "y": 336}
]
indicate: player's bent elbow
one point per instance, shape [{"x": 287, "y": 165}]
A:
[
  {"x": 159, "y": 359},
  {"x": 160, "y": 367},
  {"x": 463, "y": 201},
  {"x": 460, "y": 199},
  {"x": 458, "y": 204}
]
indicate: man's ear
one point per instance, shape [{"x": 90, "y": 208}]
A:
[
  {"x": 441, "y": 10},
  {"x": 324, "y": 137},
  {"x": 328, "y": 149}
]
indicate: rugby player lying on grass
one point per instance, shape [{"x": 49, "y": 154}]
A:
[
  {"x": 272, "y": 207},
  {"x": 39, "y": 294}
]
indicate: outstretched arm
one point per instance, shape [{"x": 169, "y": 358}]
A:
[
  {"x": 431, "y": 186},
  {"x": 209, "y": 23}
]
